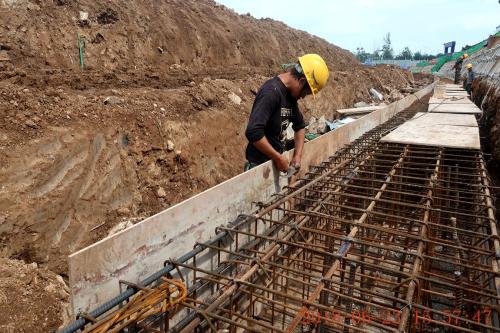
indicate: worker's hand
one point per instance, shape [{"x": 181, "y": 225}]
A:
[
  {"x": 295, "y": 162},
  {"x": 281, "y": 163}
]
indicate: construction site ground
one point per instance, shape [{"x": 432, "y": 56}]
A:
[
  {"x": 401, "y": 234},
  {"x": 157, "y": 116}
]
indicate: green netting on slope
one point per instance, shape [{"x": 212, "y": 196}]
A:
[
  {"x": 456, "y": 55},
  {"x": 444, "y": 59},
  {"x": 423, "y": 64},
  {"x": 441, "y": 61}
]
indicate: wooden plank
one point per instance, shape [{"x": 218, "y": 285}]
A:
[
  {"x": 362, "y": 110},
  {"x": 139, "y": 251}
]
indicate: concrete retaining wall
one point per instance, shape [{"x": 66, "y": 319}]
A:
[{"x": 137, "y": 252}]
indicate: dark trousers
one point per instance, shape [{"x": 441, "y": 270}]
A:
[
  {"x": 468, "y": 87},
  {"x": 457, "y": 76}
]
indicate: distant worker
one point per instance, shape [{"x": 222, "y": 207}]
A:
[
  {"x": 458, "y": 67},
  {"x": 275, "y": 107},
  {"x": 469, "y": 80}
]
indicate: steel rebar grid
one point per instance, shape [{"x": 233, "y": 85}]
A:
[
  {"x": 366, "y": 240},
  {"x": 378, "y": 251},
  {"x": 345, "y": 157}
]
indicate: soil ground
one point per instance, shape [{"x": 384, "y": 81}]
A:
[{"x": 157, "y": 115}]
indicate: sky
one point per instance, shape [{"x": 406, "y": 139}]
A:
[{"x": 422, "y": 25}]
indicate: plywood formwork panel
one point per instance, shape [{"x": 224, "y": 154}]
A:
[
  {"x": 438, "y": 136},
  {"x": 451, "y": 100},
  {"x": 454, "y": 108},
  {"x": 443, "y": 92},
  {"x": 433, "y": 119},
  {"x": 451, "y": 95},
  {"x": 453, "y": 89},
  {"x": 456, "y": 93},
  {"x": 451, "y": 92},
  {"x": 438, "y": 129},
  {"x": 139, "y": 251},
  {"x": 449, "y": 85}
]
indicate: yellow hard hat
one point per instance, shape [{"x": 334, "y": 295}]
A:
[
  {"x": 315, "y": 70},
  {"x": 469, "y": 65},
  {"x": 466, "y": 55}
]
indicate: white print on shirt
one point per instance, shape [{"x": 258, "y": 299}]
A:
[{"x": 285, "y": 121}]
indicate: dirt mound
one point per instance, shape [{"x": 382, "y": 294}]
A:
[
  {"x": 32, "y": 299},
  {"x": 157, "y": 116},
  {"x": 151, "y": 34},
  {"x": 84, "y": 162}
]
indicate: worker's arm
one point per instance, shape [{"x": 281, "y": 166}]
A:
[
  {"x": 300, "y": 133},
  {"x": 265, "y": 147},
  {"x": 299, "y": 145}
]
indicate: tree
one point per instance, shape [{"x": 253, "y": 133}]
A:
[
  {"x": 376, "y": 54},
  {"x": 361, "y": 54},
  {"x": 387, "y": 51},
  {"x": 418, "y": 56},
  {"x": 405, "y": 54}
]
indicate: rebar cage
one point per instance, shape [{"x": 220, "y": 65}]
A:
[{"x": 380, "y": 238}]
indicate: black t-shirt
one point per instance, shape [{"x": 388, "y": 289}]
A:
[
  {"x": 458, "y": 63},
  {"x": 273, "y": 110}
]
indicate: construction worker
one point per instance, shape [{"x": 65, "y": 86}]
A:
[
  {"x": 470, "y": 79},
  {"x": 275, "y": 107},
  {"x": 458, "y": 67}
]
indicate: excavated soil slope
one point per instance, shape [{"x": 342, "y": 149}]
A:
[
  {"x": 158, "y": 114},
  {"x": 487, "y": 96}
]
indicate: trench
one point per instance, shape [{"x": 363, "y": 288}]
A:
[{"x": 380, "y": 237}]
